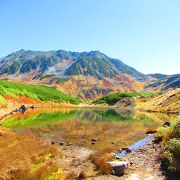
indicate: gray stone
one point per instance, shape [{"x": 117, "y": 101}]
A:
[{"x": 118, "y": 167}]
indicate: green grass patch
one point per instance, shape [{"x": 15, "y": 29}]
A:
[
  {"x": 113, "y": 98},
  {"x": 36, "y": 92}
]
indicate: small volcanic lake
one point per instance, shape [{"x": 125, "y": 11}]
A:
[{"x": 105, "y": 130}]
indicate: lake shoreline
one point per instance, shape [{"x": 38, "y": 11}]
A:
[
  {"x": 76, "y": 155},
  {"x": 6, "y": 112}
]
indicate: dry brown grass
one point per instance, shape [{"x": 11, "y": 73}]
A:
[
  {"x": 25, "y": 156},
  {"x": 100, "y": 160},
  {"x": 166, "y": 102},
  {"x": 71, "y": 175}
]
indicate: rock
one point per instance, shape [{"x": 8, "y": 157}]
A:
[
  {"x": 128, "y": 150},
  {"x": 61, "y": 143},
  {"x": 33, "y": 106},
  {"x": 93, "y": 140},
  {"x": 120, "y": 150},
  {"x": 116, "y": 156},
  {"x": 166, "y": 124},
  {"x": 23, "y": 108},
  {"x": 52, "y": 142},
  {"x": 157, "y": 140},
  {"x": 118, "y": 167},
  {"x": 151, "y": 131}
]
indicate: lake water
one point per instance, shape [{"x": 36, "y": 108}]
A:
[{"x": 112, "y": 128}]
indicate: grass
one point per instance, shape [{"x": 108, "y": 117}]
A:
[
  {"x": 113, "y": 98},
  {"x": 100, "y": 160},
  {"x": 36, "y": 92},
  {"x": 27, "y": 157},
  {"x": 171, "y": 143},
  {"x": 2, "y": 100}
]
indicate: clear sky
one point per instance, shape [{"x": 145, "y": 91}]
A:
[{"x": 143, "y": 33}]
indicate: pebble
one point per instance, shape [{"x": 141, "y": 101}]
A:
[
  {"x": 61, "y": 143},
  {"x": 52, "y": 142}
]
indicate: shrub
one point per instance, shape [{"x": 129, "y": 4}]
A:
[
  {"x": 113, "y": 98},
  {"x": 100, "y": 160},
  {"x": 171, "y": 155},
  {"x": 171, "y": 143}
]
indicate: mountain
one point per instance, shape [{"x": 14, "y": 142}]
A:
[
  {"x": 93, "y": 66},
  {"x": 164, "y": 82},
  {"x": 65, "y": 63},
  {"x": 157, "y": 76},
  {"x": 88, "y": 75}
]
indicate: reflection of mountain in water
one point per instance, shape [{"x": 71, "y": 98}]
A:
[
  {"x": 37, "y": 119},
  {"x": 104, "y": 115}
]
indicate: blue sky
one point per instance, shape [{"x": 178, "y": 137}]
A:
[{"x": 143, "y": 33}]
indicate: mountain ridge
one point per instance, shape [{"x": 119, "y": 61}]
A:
[
  {"x": 87, "y": 75},
  {"x": 24, "y": 61}
]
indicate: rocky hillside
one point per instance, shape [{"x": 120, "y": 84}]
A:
[
  {"x": 88, "y": 75},
  {"x": 166, "y": 102},
  {"x": 64, "y": 63},
  {"x": 164, "y": 82}
]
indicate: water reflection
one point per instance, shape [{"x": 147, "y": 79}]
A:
[{"x": 112, "y": 128}]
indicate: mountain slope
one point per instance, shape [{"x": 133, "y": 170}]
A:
[
  {"x": 164, "y": 82},
  {"x": 14, "y": 90},
  {"x": 166, "y": 102},
  {"x": 93, "y": 66},
  {"x": 61, "y": 63},
  {"x": 87, "y": 75}
]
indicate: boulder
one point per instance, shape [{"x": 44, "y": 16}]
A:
[
  {"x": 166, "y": 124},
  {"x": 118, "y": 167},
  {"x": 157, "y": 140},
  {"x": 128, "y": 150},
  {"x": 151, "y": 131},
  {"x": 23, "y": 108}
]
